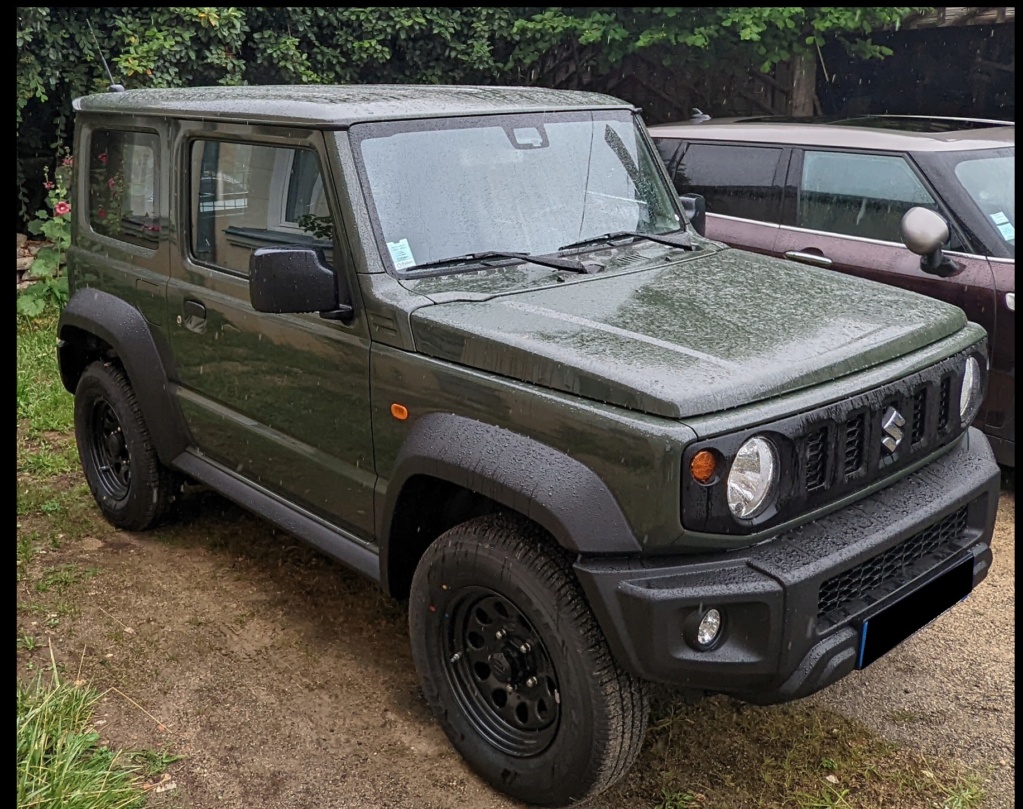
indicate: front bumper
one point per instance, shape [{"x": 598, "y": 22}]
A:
[{"x": 793, "y": 606}]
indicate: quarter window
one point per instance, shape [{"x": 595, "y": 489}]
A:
[
  {"x": 734, "y": 180},
  {"x": 123, "y": 192},
  {"x": 246, "y": 196},
  {"x": 858, "y": 194}
]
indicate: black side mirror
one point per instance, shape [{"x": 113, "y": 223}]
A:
[
  {"x": 924, "y": 232},
  {"x": 296, "y": 279},
  {"x": 695, "y": 208}
]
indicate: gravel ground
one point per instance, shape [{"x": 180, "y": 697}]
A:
[{"x": 950, "y": 689}]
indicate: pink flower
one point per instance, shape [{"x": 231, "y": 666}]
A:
[
  {"x": 111, "y": 182},
  {"x": 62, "y": 208},
  {"x": 101, "y": 213},
  {"x": 67, "y": 161},
  {"x": 48, "y": 185},
  {"x": 102, "y": 157}
]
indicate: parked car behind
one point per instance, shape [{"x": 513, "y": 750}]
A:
[{"x": 832, "y": 193}]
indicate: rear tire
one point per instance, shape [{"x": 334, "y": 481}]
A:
[
  {"x": 130, "y": 485},
  {"x": 515, "y": 668}
]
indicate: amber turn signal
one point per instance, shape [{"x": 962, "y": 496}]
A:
[
  {"x": 703, "y": 466},
  {"x": 400, "y": 412}
]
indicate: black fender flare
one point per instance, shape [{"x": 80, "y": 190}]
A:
[
  {"x": 124, "y": 328},
  {"x": 558, "y": 492}
]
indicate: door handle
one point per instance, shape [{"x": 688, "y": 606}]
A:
[
  {"x": 195, "y": 309},
  {"x": 808, "y": 258}
]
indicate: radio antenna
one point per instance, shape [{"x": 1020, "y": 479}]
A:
[{"x": 114, "y": 88}]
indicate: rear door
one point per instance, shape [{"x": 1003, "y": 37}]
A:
[{"x": 742, "y": 184}]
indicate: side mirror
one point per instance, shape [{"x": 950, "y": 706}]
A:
[
  {"x": 695, "y": 208},
  {"x": 924, "y": 232},
  {"x": 296, "y": 279}
]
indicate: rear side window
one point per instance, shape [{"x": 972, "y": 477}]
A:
[
  {"x": 858, "y": 194},
  {"x": 123, "y": 192},
  {"x": 245, "y": 196},
  {"x": 734, "y": 180}
]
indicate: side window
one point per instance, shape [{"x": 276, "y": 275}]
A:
[
  {"x": 666, "y": 148},
  {"x": 123, "y": 192},
  {"x": 858, "y": 194},
  {"x": 245, "y": 196},
  {"x": 735, "y": 180}
]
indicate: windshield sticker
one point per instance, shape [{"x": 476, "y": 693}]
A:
[
  {"x": 401, "y": 254},
  {"x": 1005, "y": 227}
]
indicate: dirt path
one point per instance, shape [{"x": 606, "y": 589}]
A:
[{"x": 287, "y": 681}]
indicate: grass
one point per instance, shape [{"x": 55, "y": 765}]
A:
[
  {"x": 61, "y": 760},
  {"x": 43, "y": 404}
]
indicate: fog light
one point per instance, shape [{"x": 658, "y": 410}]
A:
[{"x": 709, "y": 628}]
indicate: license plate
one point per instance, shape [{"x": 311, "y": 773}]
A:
[{"x": 883, "y": 632}]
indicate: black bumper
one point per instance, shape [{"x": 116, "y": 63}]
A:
[{"x": 793, "y": 606}]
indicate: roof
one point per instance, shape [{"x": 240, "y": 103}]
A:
[
  {"x": 841, "y": 135},
  {"x": 340, "y": 105}
]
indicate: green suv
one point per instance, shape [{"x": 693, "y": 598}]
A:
[{"x": 467, "y": 341}]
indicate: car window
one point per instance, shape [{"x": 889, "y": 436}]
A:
[
  {"x": 991, "y": 183},
  {"x": 666, "y": 148},
  {"x": 858, "y": 194},
  {"x": 245, "y": 196},
  {"x": 734, "y": 180},
  {"x": 123, "y": 197}
]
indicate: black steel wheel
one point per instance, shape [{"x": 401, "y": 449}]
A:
[
  {"x": 130, "y": 485},
  {"x": 501, "y": 674},
  {"x": 515, "y": 667},
  {"x": 108, "y": 451}
]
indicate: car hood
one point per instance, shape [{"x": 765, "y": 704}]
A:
[{"x": 703, "y": 334}]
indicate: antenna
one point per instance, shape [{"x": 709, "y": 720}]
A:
[{"x": 114, "y": 88}]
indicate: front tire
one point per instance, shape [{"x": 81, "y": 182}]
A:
[
  {"x": 515, "y": 668},
  {"x": 130, "y": 485}
]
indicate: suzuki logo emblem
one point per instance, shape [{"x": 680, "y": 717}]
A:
[{"x": 891, "y": 425}]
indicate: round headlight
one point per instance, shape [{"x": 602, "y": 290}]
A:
[
  {"x": 752, "y": 477},
  {"x": 970, "y": 394}
]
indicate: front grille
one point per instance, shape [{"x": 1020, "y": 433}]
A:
[
  {"x": 816, "y": 459},
  {"x": 943, "y": 403},
  {"x": 892, "y": 566},
  {"x": 919, "y": 415},
  {"x": 854, "y": 434},
  {"x": 854, "y": 445}
]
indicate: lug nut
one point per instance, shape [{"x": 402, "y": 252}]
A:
[
  {"x": 499, "y": 634},
  {"x": 532, "y": 681},
  {"x": 524, "y": 648},
  {"x": 509, "y": 688},
  {"x": 456, "y": 657}
]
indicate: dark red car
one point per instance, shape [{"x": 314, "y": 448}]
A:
[{"x": 833, "y": 193}]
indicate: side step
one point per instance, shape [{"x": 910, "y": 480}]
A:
[{"x": 332, "y": 541}]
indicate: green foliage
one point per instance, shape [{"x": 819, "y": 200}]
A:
[
  {"x": 51, "y": 288},
  {"x": 758, "y": 37},
  {"x": 61, "y": 761}
]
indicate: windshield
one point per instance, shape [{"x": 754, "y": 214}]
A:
[
  {"x": 991, "y": 183},
  {"x": 528, "y": 183}
]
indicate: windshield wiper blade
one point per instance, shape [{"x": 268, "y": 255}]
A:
[
  {"x": 558, "y": 263},
  {"x": 682, "y": 239}
]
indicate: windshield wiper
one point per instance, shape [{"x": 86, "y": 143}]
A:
[
  {"x": 570, "y": 264},
  {"x": 682, "y": 239}
]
